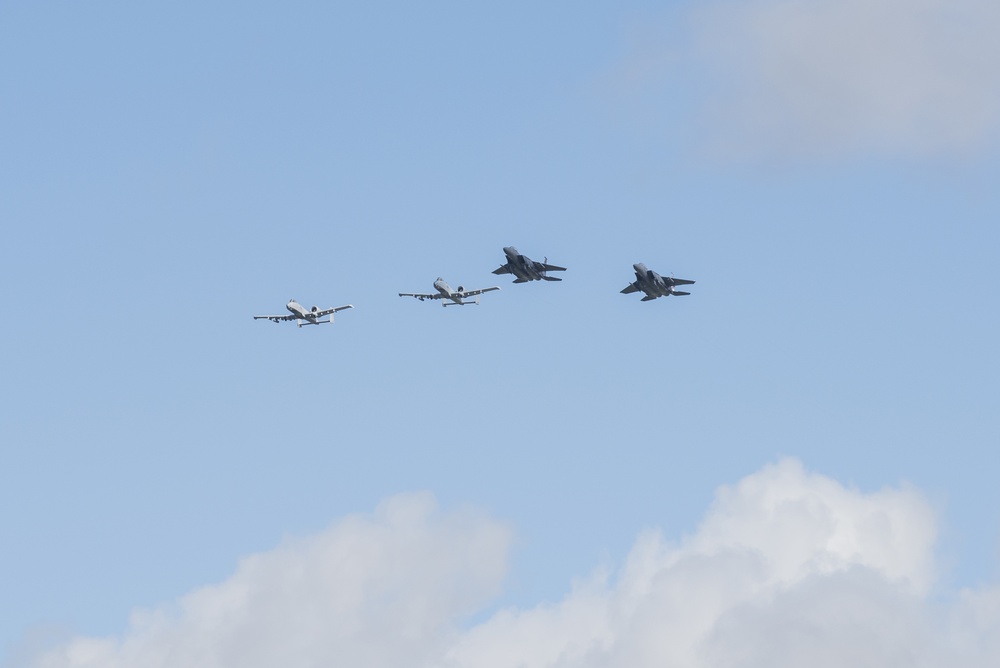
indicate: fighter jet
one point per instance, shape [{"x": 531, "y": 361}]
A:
[
  {"x": 303, "y": 317},
  {"x": 653, "y": 284},
  {"x": 444, "y": 291},
  {"x": 525, "y": 268}
]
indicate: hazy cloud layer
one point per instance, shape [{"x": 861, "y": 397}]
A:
[
  {"x": 787, "y": 569},
  {"x": 829, "y": 78}
]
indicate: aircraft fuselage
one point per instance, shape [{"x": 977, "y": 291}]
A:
[
  {"x": 446, "y": 290},
  {"x": 521, "y": 266},
  {"x": 651, "y": 282},
  {"x": 300, "y": 311},
  {"x": 525, "y": 269}
]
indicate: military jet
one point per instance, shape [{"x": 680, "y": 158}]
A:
[
  {"x": 525, "y": 268},
  {"x": 303, "y": 317},
  {"x": 653, "y": 284},
  {"x": 444, "y": 291}
]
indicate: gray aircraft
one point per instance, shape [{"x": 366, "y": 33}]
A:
[
  {"x": 302, "y": 316},
  {"x": 526, "y": 269},
  {"x": 444, "y": 291},
  {"x": 653, "y": 284}
]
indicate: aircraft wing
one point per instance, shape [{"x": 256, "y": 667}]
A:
[
  {"x": 328, "y": 311},
  {"x": 473, "y": 293},
  {"x": 420, "y": 296},
  {"x": 630, "y": 289},
  {"x": 502, "y": 270},
  {"x": 274, "y": 318}
]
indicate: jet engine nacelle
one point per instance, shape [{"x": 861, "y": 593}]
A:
[
  {"x": 315, "y": 309},
  {"x": 460, "y": 289}
]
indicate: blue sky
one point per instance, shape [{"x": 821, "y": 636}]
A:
[{"x": 171, "y": 171}]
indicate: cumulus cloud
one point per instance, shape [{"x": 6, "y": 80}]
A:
[
  {"x": 788, "y": 568},
  {"x": 379, "y": 590},
  {"x": 777, "y": 531},
  {"x": 829, "y": 78}
]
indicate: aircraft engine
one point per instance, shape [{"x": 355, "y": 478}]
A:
[
  {"x": 461, "y": 289},
  {"x": 315, "y": 308}
]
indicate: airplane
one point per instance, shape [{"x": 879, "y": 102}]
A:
[
  {"x": 653, "y": 284},
  {"x": 444, "y": 291},
  {"x": 525, "y": 268},
  {"x": 303, "y": 317}
]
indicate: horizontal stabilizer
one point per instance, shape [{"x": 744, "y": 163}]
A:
[
  {"x": 648, "y": 298},
  {"x": 550, "y": 278},
  {"x": 520, "y": 280},
  {"x": 552, "y": 267},
  {"x": 678, "y": 293},
  {"x": 681, "y": 281}
]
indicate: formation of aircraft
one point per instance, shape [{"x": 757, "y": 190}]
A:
[
  {"x": 526, "y": 269},
  {"x": 521, "y": 266},
  {"x": 444, "y": 291},
  {"x": 653, "y": 284},
  {"x": 302, "y": 316}
]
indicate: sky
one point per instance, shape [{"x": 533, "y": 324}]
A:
[{"x": 797, "y": 463}]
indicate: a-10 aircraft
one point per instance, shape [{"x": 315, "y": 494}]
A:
[
  {"x": 653, "y": 284},
  {"x": 444, "y": 291},
  {"x": 303, "y": 317},
  {"x": 526, "y": 269}
]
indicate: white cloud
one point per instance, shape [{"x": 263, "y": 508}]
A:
[
  {"x": 384, "y": 590},
  {"x": 788, "y": 568},
  {"x": 828, "y": 78},
  {"x": 777, "y": 531}
]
